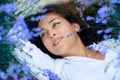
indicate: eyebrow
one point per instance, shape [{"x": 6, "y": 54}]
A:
[
  {"x": 48, "y": 23},
  {"x": 52, "y": 20}
]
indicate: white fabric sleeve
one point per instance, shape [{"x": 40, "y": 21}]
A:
[{"x": 28, "y": 54}]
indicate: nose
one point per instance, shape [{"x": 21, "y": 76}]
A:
[{"x": 52, "y": 35}]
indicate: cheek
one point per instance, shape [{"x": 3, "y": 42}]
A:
[
  {"x": 47, "y": 44},
  {"x": 68, "y": 29},
  {"x": 64, "y": 30}
]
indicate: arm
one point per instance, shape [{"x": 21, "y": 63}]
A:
[{"x": 28, "y": 54}]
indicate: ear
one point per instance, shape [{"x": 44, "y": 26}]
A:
[{"x": 76, "y": 26}]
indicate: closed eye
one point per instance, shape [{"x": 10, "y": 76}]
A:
[
  {"x": 56, "y": 23},
  {"x": 42, "y": 35}
]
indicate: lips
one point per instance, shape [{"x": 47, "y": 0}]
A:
[{"x": 56, "y": 41}]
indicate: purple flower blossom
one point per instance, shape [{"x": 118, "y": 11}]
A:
[
  {"x": 104, "y": 21},
  {"x": 106, "y": 36},
  {"x": 89, "y": 2},
  {"x": 118, "y": 35},
  {"x": 33, "y": 19},
  {"x": 16, "y": 71},
  {"x": 2, "y": 30},
  {"x": 11, "y": 69},
  {"x": 108, "y": 30},
  {"x": 8, "y": 8},
  {"x": 80, "y": 11},
  {"x": 98, "y": 20},
  {"x": 104, "y": 13},
  {"x": 88, "y": 18},
  {"x": 25, "y": 70},
  {"x": 37, "y": 18},
  {"x": 99, "y": 31},
  {"x": 3, "y": 75},
  {"x": 24, "y": 78},
  {"x": 36, "y": 32},
  {"x": 8, "y": 20},
  {"x": 79, "y": 0},
  {"x": 50, "y": 75},
  {"x": 1, "y": 38},
  {"x": 15, "y": 76},
  {"x": 19, "y": 31},
  {"x": 44, "y": 10},
  {"x": 115, "y": 1}
]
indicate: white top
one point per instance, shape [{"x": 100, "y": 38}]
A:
[{"x": 44, "y": 67}]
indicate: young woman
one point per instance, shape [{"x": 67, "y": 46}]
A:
[{"x": 59, "y": 35}]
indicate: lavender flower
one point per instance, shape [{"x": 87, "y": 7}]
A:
[
  {"x": 3, "y": 31},
  {"x": 19, "y": 31},
  {"x": 38, "y": 18},
  {"x": 98, "y": 20},
  {"x": 3, "y": 75},
  {"x": 105, "y": 36},
  {"x": 89, "y": 2},
  {"x": 50, "y": 75},
  {"x": 1, "y": 38},
  {"x": 44, "y": 10},
  {"x": 99, "y": 31},
  {"x": 104, "y": 21},
  {"x": 88, "y": 18},
  {"x": 16, "y": 71},
  {"x": 24, "y": 78},
  {"x": 25, "y": 70},
  {"x": 108, "y": 30},
  {"x": 36, "y": 32},
  {"x": 8, "y": 8},
  {"x": 11, "y": 69},
  {"x": 115, "y": 1},
  {"x": 15, "y": 76},
  {"x": 118, "y": 35},
  {"x": 104, "y": 13},
  {"x": 33, "y": 19},
  {"x": 79, "y": 0}
]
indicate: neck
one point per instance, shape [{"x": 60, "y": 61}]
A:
[{"x": 79, "y": 49}]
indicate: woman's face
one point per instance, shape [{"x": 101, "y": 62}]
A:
[{"x": 57, "y": 34}]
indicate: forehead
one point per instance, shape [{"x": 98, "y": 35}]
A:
[{"x": 48, "y": 18}]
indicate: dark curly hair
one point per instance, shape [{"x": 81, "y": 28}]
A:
[{"x": 70, "y": 12}]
